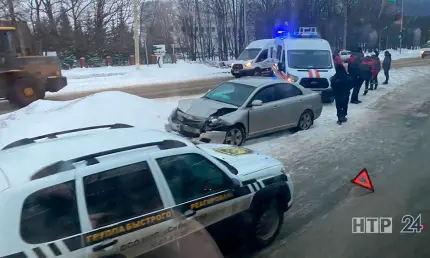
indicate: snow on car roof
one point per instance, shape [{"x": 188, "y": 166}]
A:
[
  {"x": 20, "y": 163},
  {"x": 307, "y": 44},
  {"x": 260, "y": 43}
]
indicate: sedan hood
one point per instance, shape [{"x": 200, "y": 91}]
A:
[
  {"x": 203, "y": 107},
  {"x": 244, "y": 160}
]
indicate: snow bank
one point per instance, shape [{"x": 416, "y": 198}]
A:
[
  {"x": 45, "y": 116},
  {"x": 395, "y": 54},
  {"x": 87, "y": 79}
]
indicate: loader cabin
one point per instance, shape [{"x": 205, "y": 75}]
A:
[
  {"x": 25, "y": 79},
  {"x": 6, "y": 39}
]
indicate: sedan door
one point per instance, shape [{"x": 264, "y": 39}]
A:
[
  {"x": 262, "y": 118},
  {"x": 290, "y": 106}
]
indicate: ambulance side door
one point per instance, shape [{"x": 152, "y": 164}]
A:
[{"x": 122, "y": 208}]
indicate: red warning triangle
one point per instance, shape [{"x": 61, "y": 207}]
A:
[{"x": 362, "y": 179}]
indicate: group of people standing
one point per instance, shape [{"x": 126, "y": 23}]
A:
[{"x": 360, "y": 69}]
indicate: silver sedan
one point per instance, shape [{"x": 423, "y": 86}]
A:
[{"x": 243, "y": 108}]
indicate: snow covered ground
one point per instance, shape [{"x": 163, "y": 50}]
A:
[
  {"x": 395, "y": 54},
  {"x": 87, "y": 79},
  {"x": 45, "y": 116}
]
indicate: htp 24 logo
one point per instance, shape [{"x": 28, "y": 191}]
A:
[{"x": 384, "y": 225}]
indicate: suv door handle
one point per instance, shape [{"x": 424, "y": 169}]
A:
[
  {"x": 190, "y": 213},
  {"x": 100, "y": 247}
]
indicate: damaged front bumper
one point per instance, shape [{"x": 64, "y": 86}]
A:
[{"x": 195, "y": 134}]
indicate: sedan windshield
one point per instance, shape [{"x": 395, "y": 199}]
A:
[
  {"x": 249, "y": 54},
  {"x": 309, "y": 59},
  {"x": 231, "y": 93}
]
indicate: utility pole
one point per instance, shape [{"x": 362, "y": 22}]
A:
[
  {"x": 345, "y": 24},
  {"x": 401, "y": 28},
  {"x": 136, "y": 33},
  {"x": 245, "y": 29}
]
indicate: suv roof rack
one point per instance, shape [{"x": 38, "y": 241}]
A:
[
  {"x": 91, "y": 159},
  {"x": 26, "y": 141}
]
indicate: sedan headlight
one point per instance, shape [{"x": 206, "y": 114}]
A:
[
  {"x": 213, "y": 120},
  {"x": 422, "y": 52}
]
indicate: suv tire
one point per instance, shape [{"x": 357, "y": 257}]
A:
[{"x": 266, "y": 223}]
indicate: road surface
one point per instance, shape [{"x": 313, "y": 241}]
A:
[
  {"x": 164, "y": 90},
  {"x": 394, "y": 145}
]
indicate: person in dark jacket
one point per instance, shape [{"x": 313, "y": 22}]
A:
[
  {"x": 376, "y": 67},
  {"x": 386, "y": 65},
  {"x": 354, "y": 62},
  {"x": 366, "y": 72},
  {"x": 341, "y": 84}
]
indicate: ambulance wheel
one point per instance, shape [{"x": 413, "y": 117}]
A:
[
  {"x": 267, "y": 222},
  {"x": 257, "y": 72}
]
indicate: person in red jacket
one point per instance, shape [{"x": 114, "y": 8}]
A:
[
  {"x": 336, "y": 58},
  {"x": 366, "y": 72},
  {"x": 376, "y": 67}
]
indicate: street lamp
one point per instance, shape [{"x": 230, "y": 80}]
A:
[
  {"x": 401, "y": 28},
  {"x": 380, "y": 37}
]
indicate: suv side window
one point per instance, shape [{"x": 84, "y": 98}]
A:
[
  {"x": 285, "y": 90},
  {"x": 263, "y": 55},
  {"x": 192, "y": 176},
  {"x": 121, "y": 193},
  {"x": 266, "y": 95},
  {"x": 50, "y": 214}
]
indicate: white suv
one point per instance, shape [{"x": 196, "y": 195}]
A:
[{"x": 119, "y": 191}]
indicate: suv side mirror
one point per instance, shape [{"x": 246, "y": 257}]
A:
[
  {"x": 256, "y": 103},
  {"x": 236, "y": 183}
]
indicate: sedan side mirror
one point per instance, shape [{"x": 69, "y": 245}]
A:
[{"x": 256, "y": 103}]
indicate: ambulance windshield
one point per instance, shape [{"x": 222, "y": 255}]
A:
[
  {"x": 249, "y": 54},
  {"x": 309, "y": 59}
]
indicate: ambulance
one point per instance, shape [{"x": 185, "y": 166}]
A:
[
  {"x": 305, "y": 58},
  {"x": 256, "y": 59}
]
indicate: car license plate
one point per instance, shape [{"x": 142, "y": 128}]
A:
[{"x": 235, "y": 71}]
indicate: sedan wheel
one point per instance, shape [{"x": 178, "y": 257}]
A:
[
  {"x": 306, "y": 120},
  {"x": 235, "y": 136}
]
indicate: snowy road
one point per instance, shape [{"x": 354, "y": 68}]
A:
[
  {"x": 387, "y": 134},
  {"x": 392, "y": 142}
]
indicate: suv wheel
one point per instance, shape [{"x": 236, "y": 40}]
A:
[
  {"x": 235, "y": 136},
  {"x": 267, "y": 222}
]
